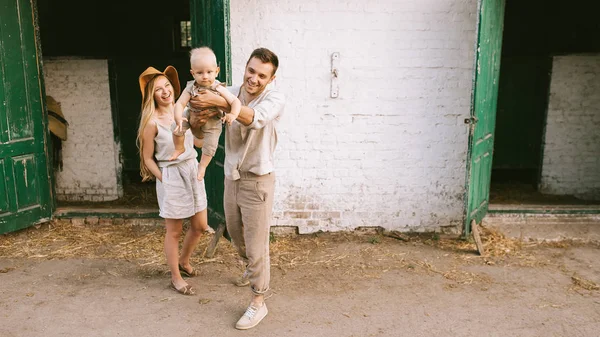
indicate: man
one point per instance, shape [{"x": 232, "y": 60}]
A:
[{"x": 249, "y": 173}]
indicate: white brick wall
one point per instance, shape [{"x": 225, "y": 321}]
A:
[
  {"x": 571, "y": 164},
  {"x": 391, "y": 150},
  {"x": 89, "y": 155}
]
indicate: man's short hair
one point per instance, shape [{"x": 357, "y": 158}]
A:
[{"x": 265, "y": 56}]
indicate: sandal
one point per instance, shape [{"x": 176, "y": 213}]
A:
[
  {"x": 186, "y": 273},
  {"x": 187, "y": 290}
]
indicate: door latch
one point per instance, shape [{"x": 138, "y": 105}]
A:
[{"x": 471, "y": 120}]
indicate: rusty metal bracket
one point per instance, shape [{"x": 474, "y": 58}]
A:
[{"x": 335, "y": 60}]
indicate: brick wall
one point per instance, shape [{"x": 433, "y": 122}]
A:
[
  {"x": 390, "y": 150},
  {"x": 571, "y": 162},
  {"x": 90, "y": 153}
]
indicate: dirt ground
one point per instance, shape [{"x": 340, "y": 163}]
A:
[{"x": 59, "y": 279}]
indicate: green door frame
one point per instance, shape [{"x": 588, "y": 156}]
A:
[
  {"x": 210, "y": 27},
  {"x": 490, "y": 24},
  {"x": 26, "y": 190}
]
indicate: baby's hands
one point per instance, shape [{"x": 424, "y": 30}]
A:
[
  {"x": 179, "y": 124},
  {"x": 229, "y": 118}
]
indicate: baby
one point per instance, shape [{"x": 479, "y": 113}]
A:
[{"x": 204, "y": 69}]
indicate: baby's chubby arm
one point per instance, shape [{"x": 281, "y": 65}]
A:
[
  {"x": 179, "y": 107},
  {"x": 233, "y": 101},
  {"x": 198, "y": 142}
]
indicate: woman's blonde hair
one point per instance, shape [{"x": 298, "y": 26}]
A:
[{"x": 147, "y": 113}]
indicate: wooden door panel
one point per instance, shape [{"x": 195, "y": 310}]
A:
[
  {"x": 25, "y": 190},
  {"x": 17, "y": 113},
  {"x": 4, "y": 207},
  {"x": 481, "y": 136},
  {"x": 25, "y": 178},
  {"x": 210, "y": 27}
]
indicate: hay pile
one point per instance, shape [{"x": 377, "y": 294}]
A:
[
  {"x": 61, "y": 239},
  {"x": 367, "y": 256},
  {"x": 582, "y": 283},
  {"x": 498, "y": 249}
]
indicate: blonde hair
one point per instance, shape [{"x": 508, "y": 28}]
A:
[
  {"x": 147, "y": 113},
  {"x": 203, "y": 52}
]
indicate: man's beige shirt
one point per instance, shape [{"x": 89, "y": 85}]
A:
[{"x": 268, "y": 108}]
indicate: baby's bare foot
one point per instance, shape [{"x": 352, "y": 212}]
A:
[{"x": 177, "y": 153}]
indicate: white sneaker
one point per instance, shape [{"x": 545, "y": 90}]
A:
[{"x": 252, "y": 317}]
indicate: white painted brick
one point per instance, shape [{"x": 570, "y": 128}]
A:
[
  {"x": 571, "y": 164},
  {"x": 89, "y": 155},
  {"x": 391, "y": 150}
]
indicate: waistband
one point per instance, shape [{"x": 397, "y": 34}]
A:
[
  {"x": 252, "y": 176},
  {"x": 167, "y": 163}
]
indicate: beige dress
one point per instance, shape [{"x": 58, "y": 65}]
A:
[{"x": 180, "y": 194}]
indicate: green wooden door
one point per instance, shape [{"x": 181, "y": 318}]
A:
[
  {"x": 481, "y": 136},
  {"x": 25, "y": 190},
  {"x": 210, "y": 27}
]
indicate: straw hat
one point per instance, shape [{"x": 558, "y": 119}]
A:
[
  {"x": 151, "y": 72},
  {"x": 56, "y": 120}
]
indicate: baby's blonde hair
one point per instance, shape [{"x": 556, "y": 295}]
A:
[{"x": 202, "y": 52}]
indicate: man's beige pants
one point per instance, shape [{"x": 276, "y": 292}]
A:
[{"x": 248, "y": 204}]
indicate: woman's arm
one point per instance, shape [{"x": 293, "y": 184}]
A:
[{"x": 150, "y": 132}]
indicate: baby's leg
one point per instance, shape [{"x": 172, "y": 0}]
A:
[
  {"x": 212, "y": 132},
  {"x": 196, "y": 125}
]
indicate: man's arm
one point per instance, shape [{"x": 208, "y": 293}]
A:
[
  {"x": 256, "y": 118},
  {"x": 207, "y": 99},
  {"x": 264, "y": 112},
  {"x": 198, "y": 142},
  {"x": 246, "y": 115},
  {"x": 204, "y": 102}
]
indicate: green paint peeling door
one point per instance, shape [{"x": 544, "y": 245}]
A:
[
  {"x": 483, "y": 119},
  {"x": 210, "y": 27},
  {"x": 25, "y": 190}
]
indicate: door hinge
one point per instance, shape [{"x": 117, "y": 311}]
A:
[{"x": 471, "y": 120}]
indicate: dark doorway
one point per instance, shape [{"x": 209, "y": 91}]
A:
[
  {"x": 534, "y": 32},
  {"x": 130, "y": 35}
]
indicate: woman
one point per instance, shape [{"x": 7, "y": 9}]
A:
[{"x": 180, "y": 194}]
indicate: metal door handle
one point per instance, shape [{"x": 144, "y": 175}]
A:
[{"x": 471, "y": 120}]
